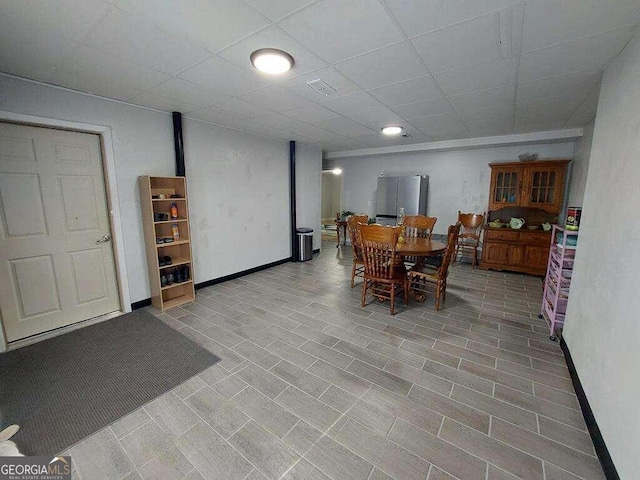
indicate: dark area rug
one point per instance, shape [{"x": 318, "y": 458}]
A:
[{"x": 66, "y": 388}]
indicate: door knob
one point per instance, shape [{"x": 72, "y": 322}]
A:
[{"x": 104, "y": 239}]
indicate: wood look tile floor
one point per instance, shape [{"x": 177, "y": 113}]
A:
[{"x": 312, "y": 386}]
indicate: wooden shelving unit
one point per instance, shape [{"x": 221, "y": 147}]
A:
[
  {"x": 558, "y": 280},
  {"x": 529, "y": 190},
  {"x": 175, "y": 191}
]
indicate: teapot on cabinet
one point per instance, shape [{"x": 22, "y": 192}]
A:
[{"x": 516, "y": 223}]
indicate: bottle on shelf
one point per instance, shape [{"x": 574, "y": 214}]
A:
[{"x": 174, "y": 210}]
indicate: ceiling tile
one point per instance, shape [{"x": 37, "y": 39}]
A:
[
  {"x": 495, "y": 113},
  {"x": 276, "y": 98},
  {"x": 163, "y": 103},
  {"x": 385, "y": 66},
  {"x": 498, "y": 73},
  {"x": 220, "y": 75},
  {"x": 552, "y": 109},
  {"x": 311, "y": 113},
  {"x": 423, "y": 109},
  {"x": 127, "y": 36},
  {"x": 336, "y": 30},
  {"x": 273, "y": 37},
  {"x": 276, "y": 9},
  {"x": 68, "y": 18},
  {"x": 420, "y": 16},
  {"x": 241, "y": 108},
  {"x": 91, "y": 71},
  {"x": 186, "y": 92},
  {"x": 379, "y": 140},
  {"x": 572, "y": 84},
  {"x": 590, "y": 53},
  {"x": 344, "y": 126},
  {"x": 342, "y": 84},
  {"x": 378, "y": 119},
  {"x": 533, "y": 124},
  {"x": 490, "y": 127},
  {"x": 350, "y": 104},
  {"x": 441, "y": 126},
  {"x": 483, "y": 99},
  {"x": 277, "y": 120},
  {"x": 550, "y": 22},
  {"x": 219, "y": 118},
  {"x": 415, "y": 90},
  {"x": 33, "y": 53},
  {"x": 587, "y": 109},
  {"x": 213, "y": 24},
  {"x": 468, "y": 43}
]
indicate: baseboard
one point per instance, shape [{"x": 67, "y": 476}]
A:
[
  {"x": 317, "y": 250},
  {"x": 215, "y": 281},
  {"x": 147, "y": 301},
  {"x": 602, "y": 451},
  {"x": 141, "y": 304}
]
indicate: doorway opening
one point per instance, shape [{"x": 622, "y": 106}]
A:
[{"x": 331, "y": 203}]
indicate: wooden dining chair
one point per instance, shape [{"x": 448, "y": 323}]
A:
[
  {"x": 384, "y": 272},
  {"x": 469, "y": 238},
  {"x": 357, "y": 268},
  {"x": 421, "y": 276},
  {"x": 417, "y": 226}
]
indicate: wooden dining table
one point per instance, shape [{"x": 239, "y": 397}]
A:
[{"x": 419, "y": 247}]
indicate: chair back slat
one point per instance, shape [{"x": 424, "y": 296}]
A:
[
  {"x": 452, "y": 239},
  {"x": 419, "y": 226},
  {"x": 471, "y": 225},
  {"x": 352, "y": 226},
  {"x": 379, "y": 249}
]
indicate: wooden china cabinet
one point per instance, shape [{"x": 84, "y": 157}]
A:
[{"x": 529, "y": 190}]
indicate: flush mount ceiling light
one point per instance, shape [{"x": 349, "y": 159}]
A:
[
  {"x": 336, "y": 171},
  {"x": 271, "y": 61},
  {"x": 392, "y": 130}
]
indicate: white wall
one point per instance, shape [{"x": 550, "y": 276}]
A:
[
  {"x": 580, "y": 167},
  {"x": 234, "y": 179},
  {"x": 458, "y": 180},
  {"x": 309, "y": 189},
  {"x": 602, "y": 328}
]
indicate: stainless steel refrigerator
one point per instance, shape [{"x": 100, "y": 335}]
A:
[{"x": 409, "y": 192}]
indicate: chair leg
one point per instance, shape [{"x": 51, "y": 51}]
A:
[
  {"x": 353, "y": 274},
  {"x": 475, "y": 256},
  {"x": 393, "y": 299},
  {"x": 438, "y": 292},
  {"x": 364, "y": 292},
  {"x": 406, "y": 291}
]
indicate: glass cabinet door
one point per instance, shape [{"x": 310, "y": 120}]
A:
[
  {"x": 506, "y": 189},
  {"x": 545, "y": 187}
]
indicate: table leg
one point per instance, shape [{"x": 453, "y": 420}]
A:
[{"x": 338, "y": 232}]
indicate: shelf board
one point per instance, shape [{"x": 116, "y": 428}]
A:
[
  {"x": 175, "y": 220},
  {"x": 176, "y": 262},
  {"x": 167, "y": 199},
  {"x": 174, "y": 302},
  {"x": 176, "y": 285},
  {"x": 179, "y": 242}
]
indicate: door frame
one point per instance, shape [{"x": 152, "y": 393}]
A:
[{"x": 113, "y": 204}]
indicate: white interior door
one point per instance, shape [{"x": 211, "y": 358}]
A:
[{"x": 56, "y": 257}]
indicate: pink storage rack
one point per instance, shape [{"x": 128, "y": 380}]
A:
[{"x": 558, "y": 279}]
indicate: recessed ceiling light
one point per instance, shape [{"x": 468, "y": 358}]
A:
[
  {"x": 336, "y": 171},
  {"x": 392, "y": 130},
  {"x": 272, "y": 61}
]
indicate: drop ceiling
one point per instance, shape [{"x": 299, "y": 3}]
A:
[{"x": 443, "y": 69}]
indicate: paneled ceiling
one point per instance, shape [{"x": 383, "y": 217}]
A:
[{"x": 443, "y": 69}]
